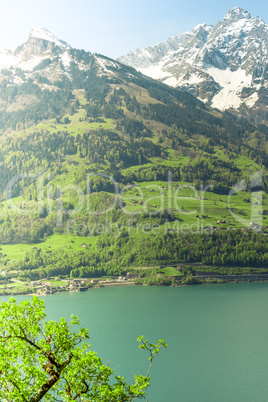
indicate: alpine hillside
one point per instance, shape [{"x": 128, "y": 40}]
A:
[
  {"x": 226, "y": 65},
  {"x": 104, "y": 170}
]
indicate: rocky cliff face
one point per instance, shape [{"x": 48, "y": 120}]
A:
[
  {"x": 46, "y": 55},
  {"x": 225, "y": 65},
  {"x": 40, "y": 45}
]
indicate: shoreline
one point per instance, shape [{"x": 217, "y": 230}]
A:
[{"x": 212, "y": 281}]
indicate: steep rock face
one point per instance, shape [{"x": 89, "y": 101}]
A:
[
  {"x": 41, "y": 44},
  {"x": 41, "y": 41},
  {"x": 45, "y": 63},
  {"x": 46, "y": 55},
  {"x": 224, "y": 65}
]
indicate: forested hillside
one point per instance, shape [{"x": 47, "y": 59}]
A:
[{"x": 141, "y": 171}]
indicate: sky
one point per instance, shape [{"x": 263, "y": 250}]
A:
[{"x": 113, "y": 27}]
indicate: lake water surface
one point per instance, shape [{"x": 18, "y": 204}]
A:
[{"x": 217, "y": 336}]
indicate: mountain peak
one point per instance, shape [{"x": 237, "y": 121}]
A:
[
  {"x": 44, "y": 34},
  {"x": 236, "y": 14},
  {"x": 225, "y": 65},
  {"x": 205, "y": 26}
]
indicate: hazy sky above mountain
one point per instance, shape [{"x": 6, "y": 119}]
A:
[{"x": 113, "y": 27}]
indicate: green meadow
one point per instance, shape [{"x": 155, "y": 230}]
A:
[
  {"x": 171, "y": 271},
  {"x": 54, "y": 242},
  {"x": 143, "y": 205}
]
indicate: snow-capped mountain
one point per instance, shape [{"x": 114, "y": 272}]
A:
[
  {"x": 225, "y": 65},
  {"x": 47, "y": 56},
  {"x": 39, "y": 45}
]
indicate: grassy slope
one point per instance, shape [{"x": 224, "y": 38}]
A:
[
  {"x": 54, "y": 242},
  {"x": 214, "y": 205},
  {"x": 214, "y": 208}
]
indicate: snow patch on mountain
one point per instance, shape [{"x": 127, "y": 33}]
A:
[
  {"x": 223, "y": 65},
  {"x": 105, "y": 64},
  {"x": 193, "y": 79},
  {"x": 251, "y": 100},
  {"x": 232, "y": 83},
  {"x": 156, "y": 72},
  {"x": 30, "y": 64},
  {"x": 66, "y": 59},
  {"x": 44, "y": 34},
  {"x": 7, "y": 59}
]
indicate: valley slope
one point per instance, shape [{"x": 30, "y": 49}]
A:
[{"x": 140, "y": 172}]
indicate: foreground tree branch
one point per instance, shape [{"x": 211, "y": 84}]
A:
[{"x": 47, "y": 360}]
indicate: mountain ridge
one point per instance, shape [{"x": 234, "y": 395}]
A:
[
  {"x": 194, "y": 61},
  {"x": 27, "y": 55}
]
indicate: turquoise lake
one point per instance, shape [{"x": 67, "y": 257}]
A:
[{"x": 217, "y": 336}]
